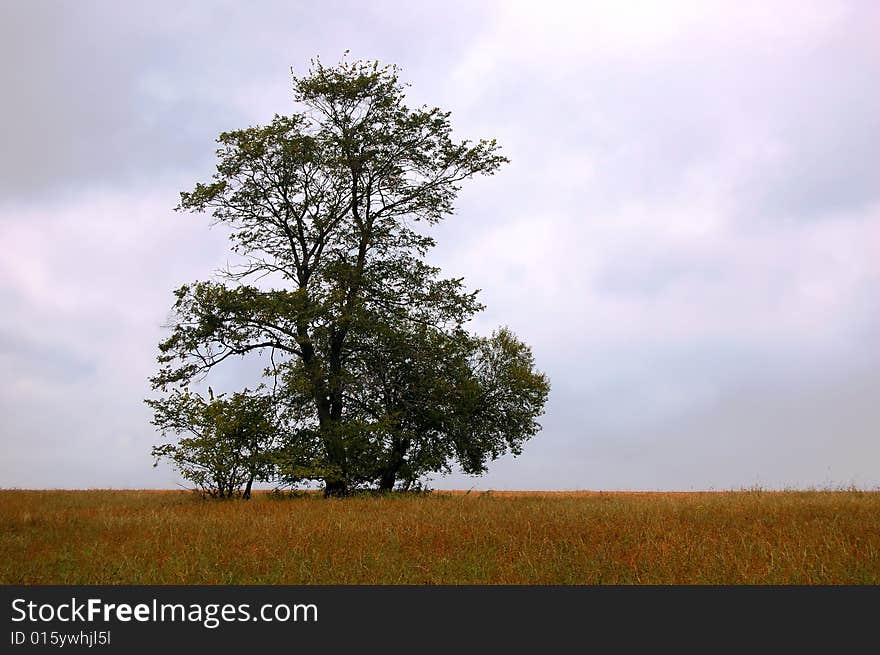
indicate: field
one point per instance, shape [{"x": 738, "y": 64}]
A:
[{"x": 167, "y": 537}]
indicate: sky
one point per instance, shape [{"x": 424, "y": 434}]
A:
[{"x": 688, "y": 233}]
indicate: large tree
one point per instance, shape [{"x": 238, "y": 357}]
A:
[{"x": 379, "y": 381}]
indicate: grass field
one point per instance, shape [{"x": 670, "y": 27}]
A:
[{"x": 150, "y": 537}]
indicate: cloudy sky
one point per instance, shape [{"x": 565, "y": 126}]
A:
[{"x": 688, "y": 234}]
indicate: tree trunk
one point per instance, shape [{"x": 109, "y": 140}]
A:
[
  {"x": 335, "y": 489},
  {"x": 327, "y": 398},
  {"x": 247, "y": 489},
  {"x": 386, "y": 482},
  {"x": 396, "y": 459}
]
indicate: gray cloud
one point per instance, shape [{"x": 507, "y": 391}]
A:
[
  {"x": 102, "y": 93},
  {"x": 686, "y": 233}
]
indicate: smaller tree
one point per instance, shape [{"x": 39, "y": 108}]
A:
[
  {"x": 432, "y": 399},
  {"x": 225, "y": 445}
]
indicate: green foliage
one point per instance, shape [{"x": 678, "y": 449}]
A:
[
  {"x": 225, "y": 444},
  {"x": 376, "y": 382}
]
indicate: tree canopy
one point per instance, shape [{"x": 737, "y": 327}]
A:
[{"x": 376, "y": 380}]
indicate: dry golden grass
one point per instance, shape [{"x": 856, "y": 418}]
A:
[{"x": 137, "y": 537}]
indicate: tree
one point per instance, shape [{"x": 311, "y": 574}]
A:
[
  {"x": 325, "y": 203},
  {"x": 438, "y": 398},
  {"x": 227, "y": 443}
]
